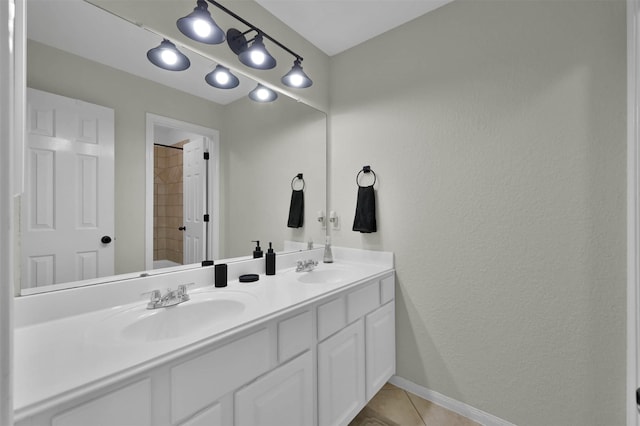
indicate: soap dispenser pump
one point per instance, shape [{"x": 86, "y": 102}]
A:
[
  {"x": 328, "y": 254},
  {"x": 270, "y": 261},
  {"x": 257, "y": 252}
]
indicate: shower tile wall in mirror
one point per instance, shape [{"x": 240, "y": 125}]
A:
[{"x": 79, "y": 53}]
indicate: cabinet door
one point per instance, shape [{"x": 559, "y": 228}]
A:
[
  {"x": 341, "y": 381},
  {"x": 380, "y": 345},
  {"x": 212, "y": 416},
  {"x": 283, "y": 396}
]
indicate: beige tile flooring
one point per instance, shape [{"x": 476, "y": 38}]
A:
[{"x": 393, "y": 406}]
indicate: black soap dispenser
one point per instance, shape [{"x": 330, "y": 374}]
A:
[
  {"x": 270, "y": 261},
  {"x": 258, "y": 251}
]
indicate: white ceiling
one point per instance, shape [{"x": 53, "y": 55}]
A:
[{"x": 337, "y": 25}]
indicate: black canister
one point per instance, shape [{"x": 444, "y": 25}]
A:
[{"x": 220, "y": 272}]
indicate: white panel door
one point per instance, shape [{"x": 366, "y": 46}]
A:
[
  {"x": 194, "y": 171},
  {"x": 68, "y": 204},
  {"x": 341, "y": 369},
  {"x": 282, "y": 397}
]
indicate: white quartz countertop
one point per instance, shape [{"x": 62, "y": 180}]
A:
[{"x": 59, "y": 359}]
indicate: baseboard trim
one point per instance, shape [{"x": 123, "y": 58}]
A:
[{"x": 456, "y": 406}]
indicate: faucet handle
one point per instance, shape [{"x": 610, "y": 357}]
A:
[
  {"x": 182, "y": 292},
  {"x": 155, "y": 299},
  {"x": 155, "y": 296}
]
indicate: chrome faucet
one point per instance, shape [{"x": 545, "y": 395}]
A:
[
  {"x": 171, "y": 297},
  {"x": 306, "y": 265}
]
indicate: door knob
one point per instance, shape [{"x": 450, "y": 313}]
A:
[
  {"x": 105, "y": 240},
  {"x": 182, "y": 228}
]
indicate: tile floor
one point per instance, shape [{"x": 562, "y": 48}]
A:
[{"x": 393, "y": 406}]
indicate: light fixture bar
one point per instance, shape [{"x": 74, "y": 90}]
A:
[{"x": 254, "y": 28}]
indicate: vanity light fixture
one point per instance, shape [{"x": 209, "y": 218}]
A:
[
  {"x": 200, "y": 26},
  {"x": 254, "y": 56},
  {"x": 263, "y": 94},
  {"x": 222, "y": 78},
  {"x": 252, "y": 53},
  {"x": 296, "y": 77},
  {"x": 168, "y": 57}
]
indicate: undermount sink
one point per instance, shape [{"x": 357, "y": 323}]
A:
[
  {"x": 204, "y": 310},
  {"x": 326, "y": 276}
]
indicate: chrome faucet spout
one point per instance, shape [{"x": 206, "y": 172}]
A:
[
  {"x": 170, "y": 298},
  {"x": 306, "y": 265}
]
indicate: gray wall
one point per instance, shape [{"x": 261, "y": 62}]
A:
[
  {"x": 265, "y": 146},
  {"x": 497, "y": 131}
]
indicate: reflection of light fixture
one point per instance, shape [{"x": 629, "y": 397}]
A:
[
  {"x": 222, "y": 78},
  {"x": 168, "y": 57},
  {"x": 200, "y": 26},
  {"x": 296, "y": 77},
  {"x": 263, "y": 94}
]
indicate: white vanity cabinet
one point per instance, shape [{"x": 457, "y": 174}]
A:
[
  {"x": 282, "y": 397},
  {"x": 341, "y": 375},
  {"x": 380, "y": 350},
  {"x": 359, "y": 356},
  {"x": 315, "y": 364}
]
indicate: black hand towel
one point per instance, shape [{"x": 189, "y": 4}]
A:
[
  {"x": 296, "y": 210},
  {"x": 365, "y": 220}
]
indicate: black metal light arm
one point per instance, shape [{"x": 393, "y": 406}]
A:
[{"x": 254, "y": 28}]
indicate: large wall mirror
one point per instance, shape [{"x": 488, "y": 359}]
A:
[{"x": 88, "y": 75}]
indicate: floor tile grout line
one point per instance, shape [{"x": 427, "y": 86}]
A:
[{"x": 414, "y": 407}]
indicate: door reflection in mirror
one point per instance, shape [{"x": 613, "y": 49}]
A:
[
  {"x": 67, "y": 208},
  {"x": 180, "y": 197}
]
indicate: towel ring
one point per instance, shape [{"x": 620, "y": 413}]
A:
[
  {"x": 299, "y": 177},
  {"x": 366, "y": 169}
]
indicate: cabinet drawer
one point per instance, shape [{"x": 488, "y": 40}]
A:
[
  {"x": 387, "y": 289},
  {"x": 295, "y": 335},
  {"x": 362, "y": 301},
  {"x": 130, "y": 405},
  {"x": 201, "y": 381},
  {"x": 332, "y": 316}
]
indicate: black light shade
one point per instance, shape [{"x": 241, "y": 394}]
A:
[
  {"x": 296, "y": 77},
  {"x": 200, "y": 26},
  {"x": 168, "y": 57},
  {"x": 256, "y": 56},
  {"x": 222, "y": 78},
  {"x": 263, "y": 94}
]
